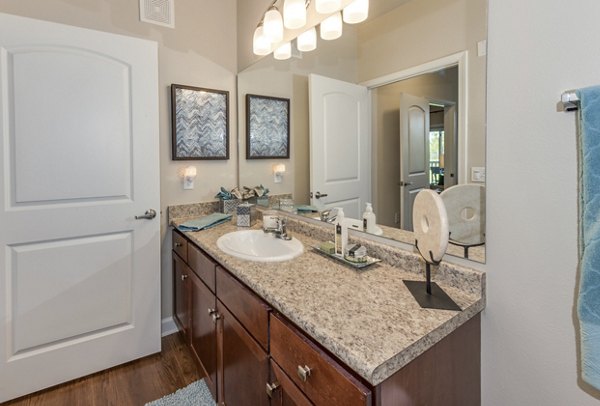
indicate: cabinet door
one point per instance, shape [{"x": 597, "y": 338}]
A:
[
  {"x": 283, "y": 391},
  {"x": 243, "y": 364},
  {"x": 204, "y": 331},
  {"x": 181, "y": 296}
]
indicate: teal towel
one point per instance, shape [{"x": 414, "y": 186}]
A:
[
  {"x": 305, "y": 208},
  {"x": 205, "y": 222},
  {"x": 588, "y": 305}
]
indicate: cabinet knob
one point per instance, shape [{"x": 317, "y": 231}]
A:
[
  {"x": 271, "y": 387},
  {"x": 184, "y": 277},
  {"x": 215, "y": 316},
  {"x": 303, "y": 372},
  {"x": 211, "y": 310},
  {"x": 178, "y": 244}
]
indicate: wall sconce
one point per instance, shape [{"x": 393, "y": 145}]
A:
[
  {"x": 188, "y": 177},
  {"x": 278, "y": 171}
]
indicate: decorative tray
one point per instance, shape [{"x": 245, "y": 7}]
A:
[{"x": 339, "y": 258}]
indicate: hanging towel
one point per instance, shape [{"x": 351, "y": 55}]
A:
[
  {"x": 205, "y": 222},
  {"x": 588, "y": 305}
]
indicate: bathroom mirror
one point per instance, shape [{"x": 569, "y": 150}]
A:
[{"x": 430, "y": 49}]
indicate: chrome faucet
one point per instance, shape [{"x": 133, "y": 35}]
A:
[
  {"x": 329, "y": 215},
  {"x": 280, "y": 231}
]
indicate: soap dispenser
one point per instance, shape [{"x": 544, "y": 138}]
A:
[
  {"x": 341, "y": 232},
  {"x": 369, "y": 219}
]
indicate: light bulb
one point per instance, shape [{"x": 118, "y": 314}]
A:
[
  {"x": 294, "y": 14},
  {"x": 356, "y": 12},
  {"x": 261, "y": 45},
  {"x": 307, "y": 41},
  {"x": 328, "y": 6},
  {"x": 273, "y": 25},
  {"x": 283, "y": 52},
  {"x": 331, "y": 27}
]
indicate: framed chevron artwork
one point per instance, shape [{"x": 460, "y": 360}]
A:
[
  {"x": 267, "y": 127},
  {"x": 200, "y": 123}
]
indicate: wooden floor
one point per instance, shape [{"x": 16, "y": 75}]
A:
[{"x": 134, "y": 383}]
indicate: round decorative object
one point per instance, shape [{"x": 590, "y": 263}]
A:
[{"x": 430, "y": 225}]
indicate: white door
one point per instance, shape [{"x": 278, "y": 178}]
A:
[
  {"x": 79, "y": 276},
  {"x": 340, "y": 145},
  {"x": 414, "y": 153},
  {"x": 450, "y": 147}
]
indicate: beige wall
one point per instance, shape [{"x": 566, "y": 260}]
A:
[
  {"x": 198, "y": 52},
  {"x": 424, "y": 30},
  {"x": 386, "y": 140}
]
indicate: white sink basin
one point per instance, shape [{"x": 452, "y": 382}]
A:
[{"x": 256, "y": 245}]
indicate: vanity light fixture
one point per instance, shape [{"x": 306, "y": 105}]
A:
[
  {"x": 278, "y": 171},
  {"x": 307, "y": 41},
  {"x": 189, "y": 175},
  {"x": 327, "y": 6},
  {"x": 261, "y": 45},
  {"x": 283, "y": 52},
  {"x": 356, "y": 12},
  {"x": 273, "y": 25},
  {"x": 294, "y": 14},
  {"x": 331, "y": 27}
]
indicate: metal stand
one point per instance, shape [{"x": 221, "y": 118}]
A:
[{"x": 429, "y": 295}]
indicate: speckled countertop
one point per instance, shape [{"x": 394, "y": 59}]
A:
[{"x": 368, "y": 318}]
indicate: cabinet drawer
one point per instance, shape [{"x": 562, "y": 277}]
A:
[
  {"x": 248, "y": 308},
  {"x": 202, "y": 265},
  {"x": 180, "y": 245},
  {"x": 283, "y": 391},
  {"x": 325, "y": 382}
]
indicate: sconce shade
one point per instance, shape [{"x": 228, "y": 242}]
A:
[
  {"x": 260, "y": 43},
  {"x": 331, "y": 27},
  {"x": 307, "y": 41},
  {"x": 190, "y": 172},
  {"x": 273, "y": 25},
  {"x": 279, "y": 168},
  {"x": 283, "y": 52},
  {"x": 328, "y": 6},
  {"x": 294, "y": 14},
  {"x": 356, "y": 12}
]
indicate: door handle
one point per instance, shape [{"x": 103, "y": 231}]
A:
[
  {"x": 319, "y": 195},
  {"x": 149, "y": 215},
  {"x": 402, "y": 183}
]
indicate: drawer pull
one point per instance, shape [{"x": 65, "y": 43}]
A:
[
  {"x": 271, "y": 387},
  {"x": 178, "y": 244},
  {"x": 303, "y": 372},
  {"x": 184, "y": 277},
  {"x": 215, "y": 316}
]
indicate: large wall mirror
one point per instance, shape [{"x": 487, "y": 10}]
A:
[{"x": 395, "y": 105}]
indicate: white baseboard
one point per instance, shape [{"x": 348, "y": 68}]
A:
[{"x": 167, "y": 326}]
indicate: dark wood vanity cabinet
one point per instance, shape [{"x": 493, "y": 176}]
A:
[
  {"x": 226, "y": 326},
  {"x": 181, "y": 296},
  {"x": 251, "y": 355}
]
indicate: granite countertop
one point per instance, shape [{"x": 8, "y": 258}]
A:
[{"x": 367, "y": 318}]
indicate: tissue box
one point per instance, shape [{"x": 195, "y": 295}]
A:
[
  {"x": 245, "y": 215},
  {"x": 263, "y": 201},
  {"x": 228, "y": 206}
]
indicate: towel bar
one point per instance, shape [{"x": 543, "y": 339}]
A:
[{"x": 569, "y": 100}]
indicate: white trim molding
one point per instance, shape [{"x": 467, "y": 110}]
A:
[
  {"x": 458, "y": 59},
  {"x": 168, "y": 326}
]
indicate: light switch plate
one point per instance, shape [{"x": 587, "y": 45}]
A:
[
  {"x": 477, "y": 174},
  {"x": 482, "y": 48}
]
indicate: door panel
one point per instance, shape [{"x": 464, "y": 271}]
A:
[
  {"x": 340, "y": 142},
  {"x": 80, "y": 278},
  {"x": 414, "y": 153}
]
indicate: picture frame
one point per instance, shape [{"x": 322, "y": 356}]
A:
[
  {"x": 199, "y": 123},
  {"x": 267, "y": 127}
]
